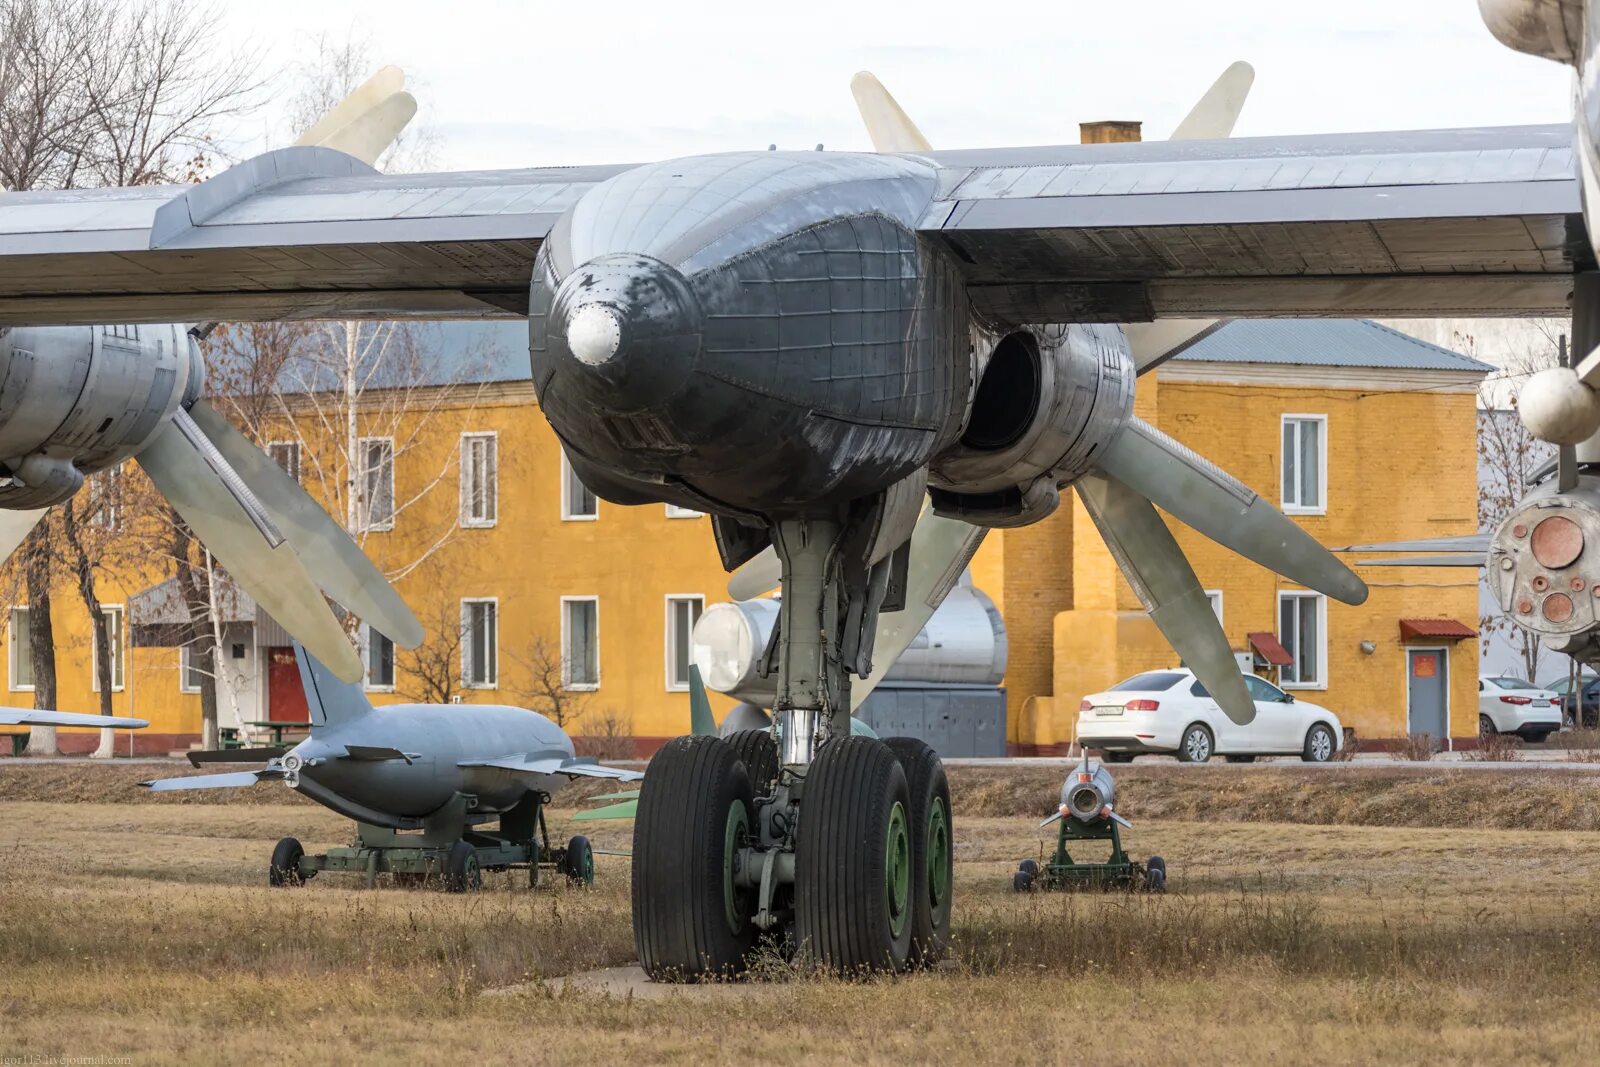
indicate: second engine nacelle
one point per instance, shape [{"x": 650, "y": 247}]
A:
[
  {"x": 78, "y": 399},
  {"x": 1049, "y": 400},
  {"x": 1552, "y": 29}
]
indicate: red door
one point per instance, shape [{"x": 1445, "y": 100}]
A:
[{"x": 286, "y": 698}]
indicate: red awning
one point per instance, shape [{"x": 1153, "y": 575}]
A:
[
  {"x": 1437, "y": 629},
  {"x": 1267, "y": 647}
]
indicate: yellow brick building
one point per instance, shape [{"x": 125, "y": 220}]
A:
[{"x": 532, "y": 557}]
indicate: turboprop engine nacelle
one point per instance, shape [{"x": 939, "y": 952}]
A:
[
  {"x": 78, "y": 399},
  {"x": 1552, "y": 29},
  {"x": 1050, "y": 399},
  {"x": 1543, "y": 564}
]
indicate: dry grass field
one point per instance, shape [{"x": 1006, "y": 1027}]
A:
[{"x": 1439, "y": 929}]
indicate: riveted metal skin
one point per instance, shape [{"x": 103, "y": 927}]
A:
[
  {"x": 78, "y": 399},
  {"x": 1544, "y": 556},
  {"x": 787, "y": 338}
]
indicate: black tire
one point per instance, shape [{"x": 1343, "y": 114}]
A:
[
  {"x": 578, "y": 863},
  {"x": 689, "y": 921},
  {"x": 1486, "y": 726},
  {"x": 1022, "y": 882},
  {"x": 1155, "y": 875},
  {"x": 760, "y": 754},
  {"x": 1239, "y": 758},
  {"x": 1196, "y": 744},
  {"x": 932, "y": 847},
  {"x": 462, "y": 874},
  {"x": 1320, "y": 745},
  {"x": 285, "y": 869},
  {"x": 1117, "y": 757},
  {"x": 853, "y": 867},
  {"x": 1030, "y": 866}
]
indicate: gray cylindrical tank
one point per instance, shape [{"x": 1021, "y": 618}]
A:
[{"x": 964, "y": 643}]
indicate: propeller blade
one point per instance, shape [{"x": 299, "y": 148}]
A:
[
  {"x": 1202, "y": 495},
  {"x": 15, "y": 526},
  {"x": 230, "y": 780},
  {"x": 334, "y": 561},
  {"x": 1465, "y": 559},
  {"x": 30, "y": 717},
  {"x": 759, "y": 575},
  {"x": 228, "y": 520},
  {"x": 889, "y": 127},
  {"x": 355, "y": 121},
  {"x": 1167, "y": 586},
  {"x": 1213, "y": 117}
]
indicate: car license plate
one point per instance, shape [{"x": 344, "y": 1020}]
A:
[
  {"x": 1108, "y": 709},
  {"x": 1541, "y": 703}
]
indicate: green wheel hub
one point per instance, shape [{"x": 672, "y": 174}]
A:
[
  {"x": 735, "y": 835},
  {"x": 938, "y": 854},
  {"x": 897, "y": 869}
]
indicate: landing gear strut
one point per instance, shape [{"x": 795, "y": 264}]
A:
[{"x": 831, "y": 848}]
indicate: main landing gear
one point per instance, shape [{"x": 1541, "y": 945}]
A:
[{"x": 801, "y": 840}]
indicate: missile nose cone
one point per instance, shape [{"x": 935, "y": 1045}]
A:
[
  {"x": 624, "y": 330},
  {"x": 1557, "y": 407}
]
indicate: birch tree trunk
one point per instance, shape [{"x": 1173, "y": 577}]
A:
[{"x": 42, "y": 639}]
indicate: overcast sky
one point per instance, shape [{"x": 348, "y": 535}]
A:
[{"x": 508, "y": 83}]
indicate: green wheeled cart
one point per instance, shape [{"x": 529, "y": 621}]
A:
[{"x": 1087, "y": 814}]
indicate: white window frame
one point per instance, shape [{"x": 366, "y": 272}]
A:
[
  {"x": 11, "y": 651},
  {"x": 1320, "y": 683},
  {"x": 295, "y": 446},
  {"x": 1214, "y": 596},
  {"x": 569, "y": 476},
  {"x": 492, "y": 497},
  {"x": 119, "y": 661},
  {"x": 566, "y": 658},
  {"x": 185, "y": 655},
  {"x": 466, "y": 643},
  {"x": 366, "y": 657},
  {"x": 1301, "y": 508},
  {"x": 676, "y": 512},
  {"x": 366, "y": 502},
  {"x": 672, "y": 600}
]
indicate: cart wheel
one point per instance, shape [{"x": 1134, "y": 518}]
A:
[
  {"x": 1155, "y": 875},
  {"x": 1022, "y": 881},
  {"x": 461, "y": 871},
  {"x": 1031, "y": 866},
  {"x": 578, "y": 865},
  {"x": 285, "y": 869}
]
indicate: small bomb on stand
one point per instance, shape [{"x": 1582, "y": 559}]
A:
[{"x": 1088, "y": 813}]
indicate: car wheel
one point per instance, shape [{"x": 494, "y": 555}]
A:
[
  {"x": 1239, "y": 758},
  {"x": 1485, "y": 726},
  {"x": 1196, "y": 744},
  {"x": 1319, "y": 744}
]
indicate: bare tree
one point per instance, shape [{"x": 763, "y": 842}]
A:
[
  {"x": 544, "y": 688},
  {"x": 432, "y": 670}
]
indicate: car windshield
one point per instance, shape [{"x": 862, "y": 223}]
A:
[
  {"x": 1148, "y": 682},
  {"x": 1511, "y": 681}
]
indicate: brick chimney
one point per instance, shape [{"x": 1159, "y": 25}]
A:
[{"x": 1108, "y": 132}]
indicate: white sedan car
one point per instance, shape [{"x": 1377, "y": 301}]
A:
[
  {"x": 1511, "y": 705},
  {"x": 1171, "y": 712}
]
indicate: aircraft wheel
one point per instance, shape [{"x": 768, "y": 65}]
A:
[
  {"x": 760, "y": 754},
  {"x": 285, "y": 869},
  {"x": 854, "y": 895},
  {"x": 931, "y": 850},
  {"x": 578, "y": 865},
  {"x": 461, "y": 871},
  {"x": 690, "y": 919}
]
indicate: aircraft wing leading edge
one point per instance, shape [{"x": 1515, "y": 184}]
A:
[{"x": 1476, "y": 221}]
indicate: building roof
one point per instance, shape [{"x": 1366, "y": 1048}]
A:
[
  {"x": 1324, "y": 343},
  {"x": 1447, "y": 629}
]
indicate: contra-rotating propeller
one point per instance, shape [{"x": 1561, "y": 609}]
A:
[{"x": 1139, "y": 469}]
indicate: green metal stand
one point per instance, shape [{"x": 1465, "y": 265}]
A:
[{"x": 1117, "y": 872}]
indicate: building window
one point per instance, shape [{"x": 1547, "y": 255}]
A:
[
  {"x": 675, "y": 512},
  {"x": 113, "y": 614},
  {"x": 580, "y": 642},
  {"x": 480, "y": 644},
  {"x": 1305, "y": 463},
  {"x": 480, "y": 479},
  {"x": 105, "y": 493},
  {"x": 1214, "y": 598},
  {"x": 1303, "y": 631},
  {"x": 191, "y": 676},
  {"x": 377, "y": 483},
  {"x": 286, "y": 454},
  {"x": 682, "y": 613},
  {"x": 21, "y": 642},
  {"x": 380, "y": 661},
  {"x": 577, "y": 502}
]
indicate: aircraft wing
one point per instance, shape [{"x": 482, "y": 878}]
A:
[
  {"x": 571, "y": 766},
  {"x": 1441, "y": 222},
  {"x": 1436, "y": 222},
  {"x": 29, "y": 717}
]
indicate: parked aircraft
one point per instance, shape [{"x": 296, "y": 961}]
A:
[
  {"x": 420, "y": 780},
  {"x": 808, "y": 345}
]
